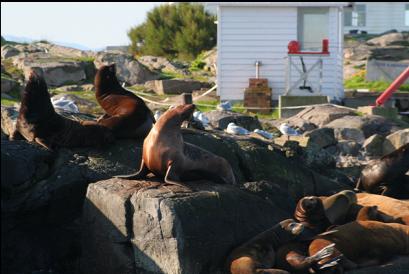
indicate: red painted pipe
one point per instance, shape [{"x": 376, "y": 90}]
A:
[{"x": 394, "y": 86}]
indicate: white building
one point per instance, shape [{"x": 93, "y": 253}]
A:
[
  {"x": 260, "y": 31},
  {"x": 377, "y": 17}
]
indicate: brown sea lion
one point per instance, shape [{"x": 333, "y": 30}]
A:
[
  {"x": 386, "y": 176},
  {"x": 363, "y": 243},
  {"x": 166, "y": 155},
  {"x": 38, "y": 122},
  {"x": 126, "y": 114},
  {"x": 397, "y": 209},
  {"x": 319, "y": 213},
  {"x": 258, "y": 254}
]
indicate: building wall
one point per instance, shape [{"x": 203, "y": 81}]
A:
[
  {"x": 382, "y": 16},
  {"x": 249, "y": 34}
]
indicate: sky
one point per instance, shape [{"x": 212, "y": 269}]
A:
[{"x": 93, "y": 25}]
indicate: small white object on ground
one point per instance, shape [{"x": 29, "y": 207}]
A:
[
  {"x": 65, "y": 104},
  {"x": 287, "y": 130},
  {"x": 224, "y": 106},
  {"x": 199, "y": 116},
  {"x": 157, "y": 114},
  {"x": 232, "y": 128},
  {"x": 263, "y": 133}
]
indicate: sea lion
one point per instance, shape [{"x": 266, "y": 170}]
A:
[
  {"x": 258, "y": 254},
  {"x": 363, "y": 243},
  {"x": 126, "y": 114},
  {"x": 386, "y": 176},
  {"x": 319, "y": 213},
  {"x": 166, "y": 155},
  {"x": 398, "y": 209},
  {"x": 38, "y": 122}
]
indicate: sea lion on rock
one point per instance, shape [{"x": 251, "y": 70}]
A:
[
  {"x": 258, "y": 254},
  {"x": 319, "y": 213},
  {"x": 126, "y": 114},
  {"x": 386, "y": 176},
  {"x": 166, "y": 155},
  {"x": 38, "y": 122},
  {"x": 363, "y": 243}
]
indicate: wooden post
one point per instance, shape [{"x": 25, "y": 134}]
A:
[{"x": 186, "y": 98}]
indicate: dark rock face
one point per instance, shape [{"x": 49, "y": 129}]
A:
[{"x": 220, "y": 120}]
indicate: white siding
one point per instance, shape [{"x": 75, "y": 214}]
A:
[
  {"x": 248, "y": 34},
  {"x": 383, "y": 16}
]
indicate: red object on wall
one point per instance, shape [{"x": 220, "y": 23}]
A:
[
  {"x": 293, "y": 47},
  {"x": 325, "y": 43},
  {"x": 394, "y": 86}
]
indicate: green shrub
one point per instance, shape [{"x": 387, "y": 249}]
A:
[{"x": 180, "y": 31}]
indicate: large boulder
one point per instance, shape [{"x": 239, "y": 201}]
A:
[
  {"x": 373, "y": 145},
  {"x": 161, "y": 64},
  {"x": 220, "y": 119},
  {"x": 170, "y": 230},
  {"x": 368, "y": 124},
  {"x": 322, "y": 115},
  {"x": 173, "y": 86},
  {"x": 8, "y": 51},
  {"x": 8, "y": 84},
  {"x": 322, "y": 137},
  {"x": 128, "y": 69},
  {"x": 391, "y": 39},
  {"x": 395, "y": 140}
]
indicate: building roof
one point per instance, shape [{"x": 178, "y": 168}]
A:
[{"x": 280, "y": 4}]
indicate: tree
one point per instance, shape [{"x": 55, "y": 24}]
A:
[{"x": 182, "y": 30}]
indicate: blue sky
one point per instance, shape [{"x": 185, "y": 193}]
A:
[{"x": 94, "y": 25}]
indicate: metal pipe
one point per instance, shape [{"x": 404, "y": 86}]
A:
[
  {"x": 393, "y": 87},
  {"x": 258, "y": 64}
]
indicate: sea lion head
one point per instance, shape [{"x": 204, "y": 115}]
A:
[
  {"x": 293, "y": 227},
  {"x": 105, "y": 79},
  {"x": 309, "y": 210},
  {"x": 35, "y": 99},
  {"x": 175, "y": 116}
]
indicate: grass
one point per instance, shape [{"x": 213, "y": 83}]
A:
[{"x": 358, "y": 81}]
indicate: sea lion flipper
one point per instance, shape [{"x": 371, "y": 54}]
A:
[
  {"x": 141, "y": 174},
  {"x": 172, "y": 177},
  {"x": 16, "y": 135},
  {"x": 41, "y": 142}
]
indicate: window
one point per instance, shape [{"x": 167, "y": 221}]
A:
[
  {"x": 407, "y": 15},
  {"x": 355, "y": 17},
  {"x": 312, "y": 27}
]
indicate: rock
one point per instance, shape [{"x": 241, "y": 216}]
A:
[
  {"x": 173, "y": 86},
  {"x": 391, "y": 39},
  {"x": 161, "y": 64},
  {"x": 317, "y": 158},
  {"x": 128, "y": 70},
  {"x": 160, "y": 230},
  {"x": 322, "y": 137},
  {"x": 43, "y": 203},
  {"x": 347, "y": 147},
  {"x": 56, "y": 73},
  {"x": 8, "y": 84},
  {"x": 395, "y": 140},
  {"x": 8, "y": 119},
  {"x": 322, "y": 115},
  {"x": 351, "y": 134},
  {"x": 85, "y": 87},
  {"x": 373, "y": 145},
  {"x": 357, "y": 53},
  {"x": 210, "y": 60},
  {"x": 369, "y": 124},
  {"x": 8, "y": 51},
  {"x": 391, "y": 53},
  {"x": 301, "y": 124},
  {"x": 220, "y": 119}
]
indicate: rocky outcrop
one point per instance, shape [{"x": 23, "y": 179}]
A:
[
  {"x": 8, "y": 51},
  {"x": 220, "y": 119},
  {"x": 128, "y": 70},
  {"x": 395, "y": 140},
  {"x": 162, "y": 64},
  {"x": 174, "y": 86},
  {"x": 321, "y": 115},
  {"x": 8, "y": 84}
]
